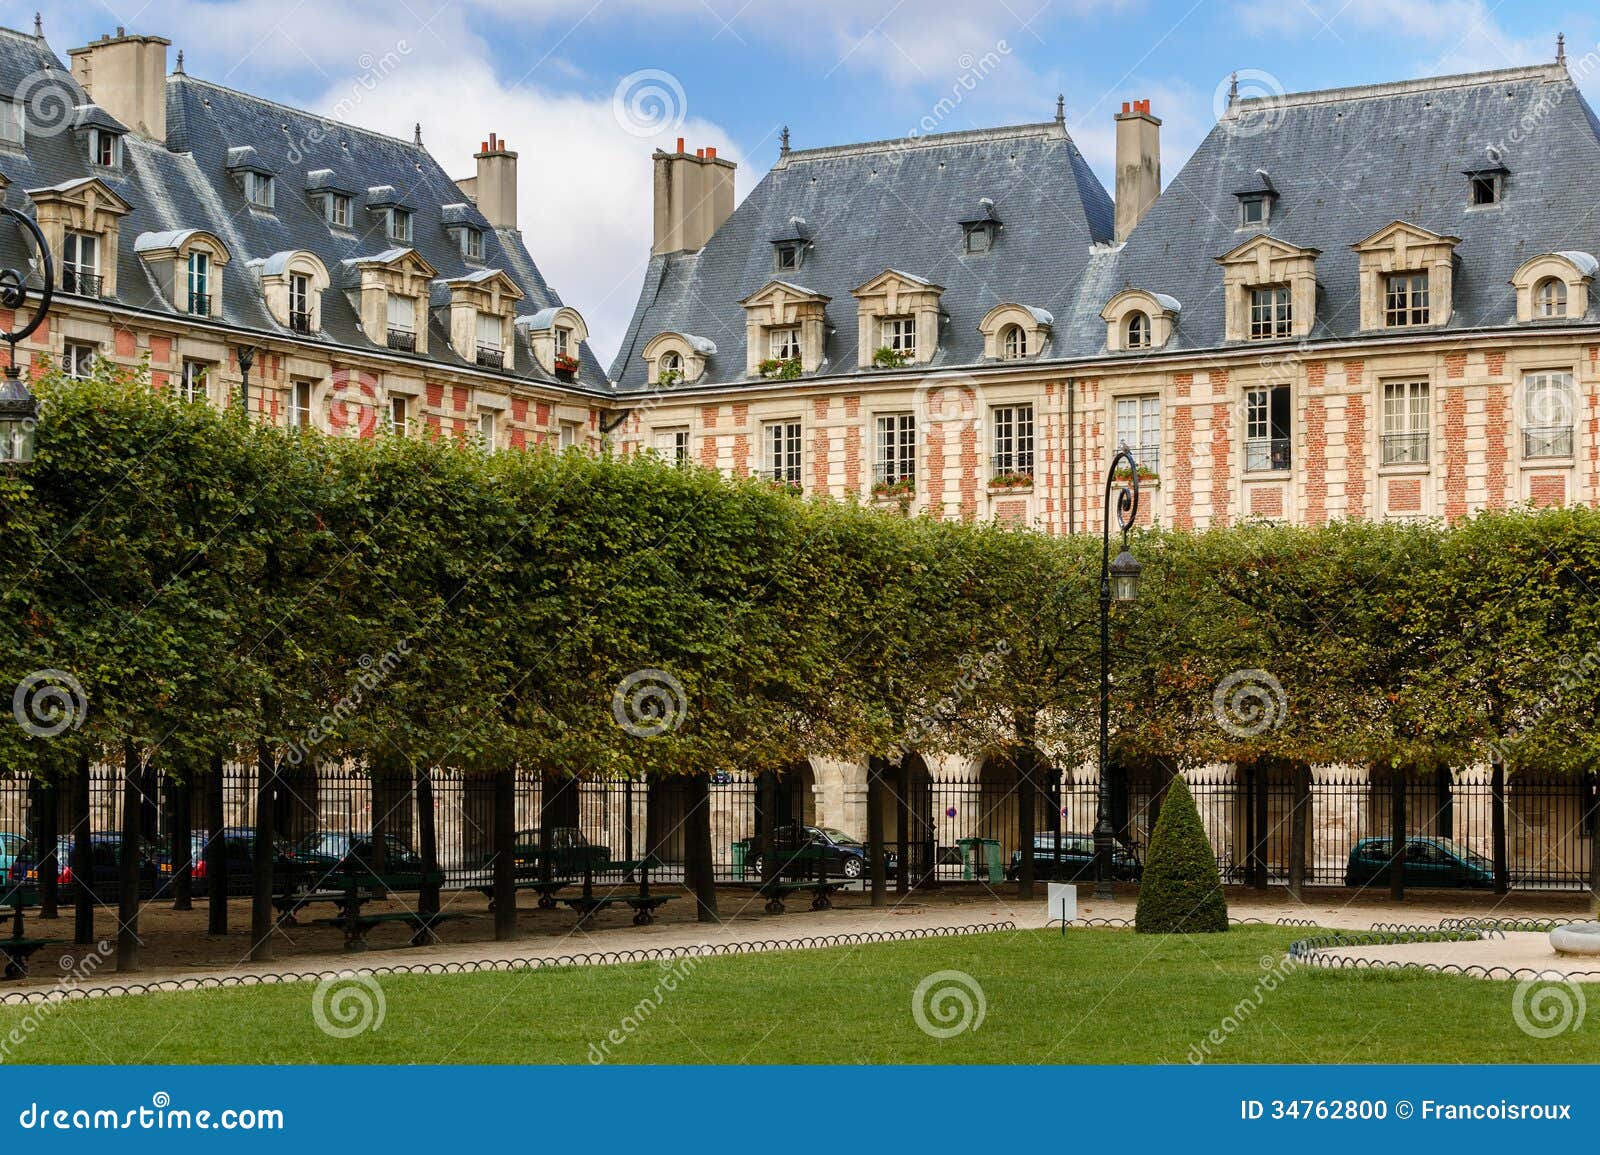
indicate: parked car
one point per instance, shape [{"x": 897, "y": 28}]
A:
[
  {"x": 570, "y": 851},
  {"x": 1076, "y": 863},
  {"x": 796, "y": 850},
  {"x": 11, "y": 845},
  {"x": 239, "y": 844},
  {"x": 329, "y": 852},
  {"x": 1430, "y": 861},
  {"x": 106, "y": 855}
]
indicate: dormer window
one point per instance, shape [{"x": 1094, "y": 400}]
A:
[
  {"x": 336, "y": 210},
  {"x": 1270, "y": 312},
  {"x": 491, "y": 352},
  {"x": 788, "y": 255},
  {"x": 1014, "y": 342},
  {"x": 299, "y": 302},
  {"x": 80, "y": 264},
  {"x": 669, "y": 367},
  {"x": 1485, "y": 190},
  {"x": 980, "y": 227},
  {"x": 900, "y": 336},
  {"x": 562, "y": 336},
  {"x": 1550, "y": 298},
  {"x": 10, "y": 123},
  {"x": 399, "y": 225},
  {"x": 105, "y": 148},
  {"x": 1405, "y": 300},
  {"x": 1254, "y": 210},
  {"x": 199, "y": 270},
  {"x": 402, "y": 326},
  {"x": 1138, "y": 331},
  {"x": 784, "y": 344},
  {"x": 259, "y": 189},
  {"x": 472, "y": 244},
  {"x": 1255, "y": 200}
]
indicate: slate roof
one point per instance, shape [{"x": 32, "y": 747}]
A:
[
  {"x": 889, "y": 205},
  {"x": 186, "y": 184},
  {"x": 1341, "y": 163}
]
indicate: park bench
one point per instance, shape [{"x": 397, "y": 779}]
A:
[
  {"x": 774, "y": 891},
  {"x": 357, "y": 926},
  {"x": 642, "y": 902},
  {"x": 19, "y": 948},
  {"x": 546, "y": 888}
]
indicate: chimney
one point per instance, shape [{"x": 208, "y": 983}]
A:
[
  {"x": 495, "y": 187},
  {"x": 127, "y": 76},
  {"x": 693, "y": 196},
  {"x": 1138, "y": 164}
]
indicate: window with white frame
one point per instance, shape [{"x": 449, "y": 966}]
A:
[
  {"x": 399, "y": 416},
  {"x": 80, "y": 264},
  {"x": 486, "y": 430},
  {"x": 104, "y": 148},
  {"x": 1405, "y": 422},
  {"x": 782, "y": 440},
  {"x": 1549, "y": 410},
  {"x": 336, "y": 208},
  {"x": 402, "y": 313},
  {"x": 895, "y": 457},
  {"x": 1254, "y": 210},
  {"x": 1269, "y": 312},
  {"x": 1550, "y": 298},
  {"x": 1014, "y": 342},
  {"x": 491, "y": 330},
  {"x": 300, "y": 405},
  {"x": 1013, "y": 441},
  {"x": 300, "y": 302},
  {"x": 77, "y": 359},
  {"x": 562, "y": 338},
  {"x": 1267, "y": 423},
  {"x": 673, "y": 445},
  {"x": 569, "y": 435},
  {"x": 192, "y": 385},
  {"x": 783, "y": 344},
  {"x": 260, "y": 189},
  {"x": 1138, "y": 330},
  {"x": 900, "y": 334},
  {"x": 10, "y": 122},
  {"x": 400, "y": 225},
  {"x": 1139, "y": 427},
  {"x": 200, "y": 284},
  {"x": 1405, "y": 299},
  {"x": 472, "y": 244}
]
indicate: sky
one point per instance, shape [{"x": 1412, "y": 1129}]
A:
[{"x": 584, "y": 90}]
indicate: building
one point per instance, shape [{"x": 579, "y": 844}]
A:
[{"x": 189, "y": 222}]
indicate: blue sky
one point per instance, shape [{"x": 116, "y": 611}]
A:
[{"x": 559, "y": 78}]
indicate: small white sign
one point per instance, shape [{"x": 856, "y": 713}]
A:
[{"x": 1062, "y": 902}]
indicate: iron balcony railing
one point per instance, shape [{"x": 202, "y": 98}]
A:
[
  {"x": 1264, "y": 454},
  {"x": 1547, "y": 441},
  {"x": 490, "y": 357},
  {"x": 403, "y": 339},
  {"x": 200, "y": 304},
  {"x": 1405, "y": 449},
  {"x": 300, "y": 322},
  {"x": 80, "y": 282}
]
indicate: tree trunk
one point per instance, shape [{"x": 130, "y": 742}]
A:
[
  {"x": 262, "y": 920},
  {"x": 1397, "y": 833},
  {"x": 427, "y": 840},
  {"x": 1258, "y": 853},
  {"x": 129, "y": 859},
  {"x": 1027, "y": 801},
  {"x": 505, "y": 859},
  {"x": 1502, "y": 858},
  {"x": 876, "y": 767},
  {"x": 1594, "y": 846},
  {"x": 902, "y": 850},
  {"x": 82, "y": 863},
  {"x": 1299, "y": 830},
  {"x": 378, "y": 784},
  {"x": 215, "y": 854},
  {"x": 700, "y": 874},
  {"x": 180, "y": 796},
  {"x": 47, "y": 831}
]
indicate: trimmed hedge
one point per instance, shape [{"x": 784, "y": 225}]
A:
[{"x": 1182, "y": 891}]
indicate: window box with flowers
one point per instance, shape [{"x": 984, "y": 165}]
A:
[
  {"x": 905, "y": 488},
  {"x": 1147, "y": 476},
  {"x": 669, "y": 377},
  {"x": 1011, "y": 482},
  {"x": 775, "y": 369},
  {"x": 792, "y": 488},
  {"x": 888, "y": 358},
  {"x": 566, "y": 366}
]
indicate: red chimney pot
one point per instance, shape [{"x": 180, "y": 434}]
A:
[
  {"x": 680, "y": 145},
  {"x": 1126, "y": 108},
  {"x": 711, "y": 152}
]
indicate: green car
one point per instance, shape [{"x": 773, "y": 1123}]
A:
[{"x": 1430, "y": 861}]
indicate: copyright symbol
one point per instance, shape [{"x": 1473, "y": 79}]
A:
[{"x": 1403, "y": 1109}]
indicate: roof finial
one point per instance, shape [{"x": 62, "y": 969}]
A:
[
  {"x": 417, "y": 135},
  {"x": 38, "y": 26},
  {"x": 1561, "y": 48},
  {"x": 1233, "y": 88},
  {"x": 179, "y": 69},
  {"x": 783, "y": 142},
  {"x": 1061, "y": 108}
]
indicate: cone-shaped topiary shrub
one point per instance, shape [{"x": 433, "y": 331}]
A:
[{"x": 1181, "y": 892}]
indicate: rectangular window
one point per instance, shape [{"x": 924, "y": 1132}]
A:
[
  {"x": 783, "y": 344},
  {"x": 1405, "y": 422},
  {"x": 402, "y": 322},
  {"x": 1013, "y": 441},
  {"x": 400, "y": 225},
  {"x": 200, "y": 284},
  {"x": 562, "y": 340},
  {"x": 895, "y": 459},
  {"x": 1549, "y": 407},
  {"x": 337, "y": 210},
  {"x": 103, "y": 148},
  {"x": 490, "y": 330},
  {"x": 1266, "y": 428},
  {"x": 569, "y": 435},
  {"x": 900, "y": 334},
  {"x": 398, "y": 416},
  {"x": 1269, "y": 312},
  {"x": 1405, "y": 299},
  {"x": 1253, "y": 211},
  {"x": 486, "y": 430},
  {"x": 300, "y": 405},
  {"x": 1139, "y": 427},
  {"x": 673, "y": 445},
  {"x": 783, "y": 451},
  {"x": 259, "y": 189},
  {"x": 788, "y": 257},
  {"x": 300, "y": 302},
  {"x": 10, "y": 123},
  {"x": 192, "y": 385},
  {"x": 80, "y": 264},
  {"x": 77, "y": 359},
  {"x": 472, "y": 244}
]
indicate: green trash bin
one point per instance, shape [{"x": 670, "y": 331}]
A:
[
  {"x": 740, "y": 849},
  {"x": 980, "y": 858}
]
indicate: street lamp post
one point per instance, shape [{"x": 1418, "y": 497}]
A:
[
  {"x": 247, "y": 358},
  {"x": 19, "y": 408},
  {"x": 1119, "y": 581}
]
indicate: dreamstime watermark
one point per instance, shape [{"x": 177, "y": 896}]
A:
[
  {"x": 948, "y": 1003},
  {"x": 351, "y": 400},
  {"x": 649, "y": 703},
  {"x": 372, "y": 675},
  {"x": 1547, "y": 1005},
  {"x": 971, "y": 72},
  {"x": 1249, "y": 702},
  {"x": 673, "y": 973},
  {"x": 1249, "y": 102},
  {"x": 75, "y": 972},
  {"x": 374, "y": 71},
  {"x": 348, "y": 1004},
  {"x": 649, "y": 102},
  {"x": 1275, "y": 971},
  {"x": 975, "y": 671},
  {"x": 47, "y": 102},
  {"x": 47, "y": 703}
]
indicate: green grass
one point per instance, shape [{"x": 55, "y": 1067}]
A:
[{"x": 1091, "y": 996}]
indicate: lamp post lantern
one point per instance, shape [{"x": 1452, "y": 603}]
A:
[
  {"x": 247, "y": 358},
  {"x": 19, "y": 408},
  {"x": 1119, "y": 581}
]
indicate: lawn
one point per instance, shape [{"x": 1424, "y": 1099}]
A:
[{"x": 1092, "y": 996}]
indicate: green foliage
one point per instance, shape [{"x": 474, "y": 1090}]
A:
[
  {"x": 887, "y": 357},
  {"x": 780, "y": 369},
  {"x": 1181, "y": 892}
]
